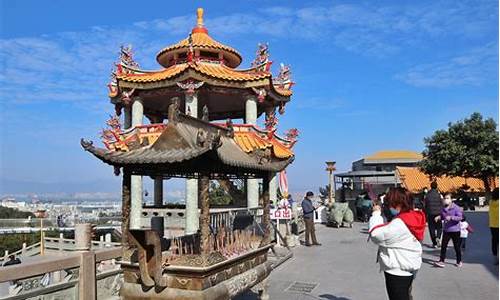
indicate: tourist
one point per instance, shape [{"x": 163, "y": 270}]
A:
[
  {"x": 366, "y": 208},
  {"x": 359, "y": 205},
  {"x": 13, "y": 260},
  {"x": 433, "y": 205},
  {"x": 400, "y": 251},
  {"x": 451, "y": 215},
  {"x": 290, "y": 200},
  {"x": 493, "y": 218},
  {"x": 308, "y": 210},
  {"x": 465, "y": 228}
]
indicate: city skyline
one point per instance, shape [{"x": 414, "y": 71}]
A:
[{"x": 368, "y": 77}]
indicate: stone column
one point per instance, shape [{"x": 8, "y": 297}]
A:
[
  {"x": 158, "y": 195},
  {"x": 252, "y": 184},
  {"x": 192, "y": 215},
  {"x": 127, "y": 117},
  {"x": 266, "y": 220},
  {"x": 205, "y": 216},
  {"x": 136, "y": 180},
  {"x": 273, "y": 189},
  {"x": 126, "y": 199},
  {"x": 157, "y": 222}
]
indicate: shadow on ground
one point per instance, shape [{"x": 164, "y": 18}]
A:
[{"x": 332, "y": 297}]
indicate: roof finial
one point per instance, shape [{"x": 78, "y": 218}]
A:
[{"x": 199, "y": 13}]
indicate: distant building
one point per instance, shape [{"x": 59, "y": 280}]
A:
[{"x": 377, "y": 170}]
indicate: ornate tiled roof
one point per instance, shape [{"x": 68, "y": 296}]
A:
[
  {"x": 415, "y": 181},
  {"x": 186, "y": 145},
  {"x": 200, "y": 54},
  {"x": 250, "y": 141},
  {"x": 214, "y": 70},
  {"x": 201, "y": 41}
]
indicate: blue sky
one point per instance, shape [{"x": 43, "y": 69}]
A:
[{"x": 369, "y": 75}]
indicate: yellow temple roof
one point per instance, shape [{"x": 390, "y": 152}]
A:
[
  {"x": 200, "y": 40},
  {"x": 394, "y": 154},
  {"x": 415, "y": 181},
  {"x": 250, "y": 141},
  {"x": 217, "y": 62},
  {"x": 217, "y": 71}
]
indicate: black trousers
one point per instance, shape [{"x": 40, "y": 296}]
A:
[
  {"x": 494, "y": 240},
  {"x": 462, "y": 242},
  {"x": 435, "y": 228},
  {"x": 455, "y": 237},
  {"x": 398, "y": 287}
]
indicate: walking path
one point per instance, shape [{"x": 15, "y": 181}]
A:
[{"x": 344, "y": 268}]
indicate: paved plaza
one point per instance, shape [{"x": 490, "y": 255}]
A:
[{"x": 344, "y": 268}]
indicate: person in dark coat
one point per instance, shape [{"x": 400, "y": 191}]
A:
[
  {"x": 433, "y": 205},
  {"x": 13, "y": 260},
  {"x": 308, "y": 210}
]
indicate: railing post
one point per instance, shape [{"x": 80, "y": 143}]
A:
[
  {"x": 23, "y": 251},
  {"x": 61, "y": 242},
  {"x": 87, "y": 278},
  {"x": 107, "y": 239},
  {"x": 101, "y": 241}
]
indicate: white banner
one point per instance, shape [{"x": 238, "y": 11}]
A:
[{"x": 281, "y": 214}]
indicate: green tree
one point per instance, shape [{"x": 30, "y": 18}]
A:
[{"x": 468, "y": 148}]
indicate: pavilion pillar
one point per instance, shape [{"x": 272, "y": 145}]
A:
[
  {"x": 252, "y": 184},
  {"x": 126, "y": 185},
  {"x": 136, "y": 180},
  {"x": 273, "y": 189},
  {"x": 192, "y": 215},
  {"x": 127, "y": 117},
  {"x": 205, "y": 215},
  {"x": 266, "y": 219},
  {"x": 158, "y": 188}
]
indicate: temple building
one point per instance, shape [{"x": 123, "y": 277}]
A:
[
  {"x": 191, "y": 105},
  {"x": 377, "y": 170}
]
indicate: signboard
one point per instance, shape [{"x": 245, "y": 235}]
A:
[{"x": 281, "y": 214}]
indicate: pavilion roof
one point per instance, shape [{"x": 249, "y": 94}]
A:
[
  {"x": 200, "y": 57},
  {"x": 201, "y": 40},
  {"x": 214, "y": 70},
  {"x": 187, "y": 146}
]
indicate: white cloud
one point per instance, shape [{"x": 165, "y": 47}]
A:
[
  {"x": 474, "y": 67},
  {"x": 74, "y": 67}
]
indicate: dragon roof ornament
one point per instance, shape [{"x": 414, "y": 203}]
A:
[
  {"x": 284, "y": 78},
  {"x": 261, "y": 61}
]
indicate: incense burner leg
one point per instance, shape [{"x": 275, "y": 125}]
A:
[{"x": 263, "y": 289}]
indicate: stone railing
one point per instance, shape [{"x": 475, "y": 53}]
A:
[
  {"x": 56, "y": 244},
  {"x": 225, "y": 217},
  {"x": 69, "y": 276}
]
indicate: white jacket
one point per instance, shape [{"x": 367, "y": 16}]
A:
[{"x": 400, "y": 253}]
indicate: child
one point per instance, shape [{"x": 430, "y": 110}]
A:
[{"x": 465, "y": 228}]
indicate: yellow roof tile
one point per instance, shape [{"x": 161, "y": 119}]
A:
[
  {"x": 215, "y": 70},
  {"x": 249, "y": 141},
  {"x": 394, "y": 154},
  {"x": 415, "y": 181}
]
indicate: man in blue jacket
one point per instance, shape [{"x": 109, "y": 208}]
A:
[{"x": 308, "y": 210}]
